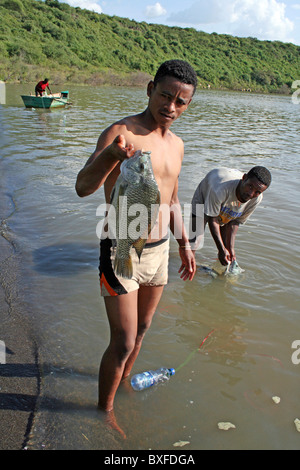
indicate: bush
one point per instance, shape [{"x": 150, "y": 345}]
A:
[{"x": 13, "y": 5}]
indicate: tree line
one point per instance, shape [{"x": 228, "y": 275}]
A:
[{"x": 74, "y": 45}]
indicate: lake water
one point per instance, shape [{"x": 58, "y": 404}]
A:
[{"x": 251, "y": 320}]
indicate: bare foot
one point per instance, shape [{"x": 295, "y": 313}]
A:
[{"x": 110, "y": 420}]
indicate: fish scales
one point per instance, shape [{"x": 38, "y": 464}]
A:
[{"x": 135, "y": 192}]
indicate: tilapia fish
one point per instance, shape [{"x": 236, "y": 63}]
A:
[{"x": 135, "y": 198}]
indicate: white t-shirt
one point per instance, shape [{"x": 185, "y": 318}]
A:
[{"x": 217, "y": 191}]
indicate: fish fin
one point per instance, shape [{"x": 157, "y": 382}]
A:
[
  {"x": 123, "y": 267},
  {"x": 139, "y": 246},
  {"x": 155, "y": 212},
  {"x": 152, "y": 218}
]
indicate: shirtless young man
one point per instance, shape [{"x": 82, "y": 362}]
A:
[{"x": 130, "y": 314}]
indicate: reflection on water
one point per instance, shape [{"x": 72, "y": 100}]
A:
[
  {"x": 243, "y": 363},
  {"x": 65, "y": 259}
]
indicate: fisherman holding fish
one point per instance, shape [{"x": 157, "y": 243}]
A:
[
  {"x": 229, "y": 197},
  {"x": 133, "y": 273}
]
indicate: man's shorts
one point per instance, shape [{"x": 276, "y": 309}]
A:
[{"x": 150, "y": 270}]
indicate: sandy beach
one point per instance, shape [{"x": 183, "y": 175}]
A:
[{"x": 19, "y": 388}]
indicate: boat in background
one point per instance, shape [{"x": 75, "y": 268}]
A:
[{"x": 55, "y": 100}]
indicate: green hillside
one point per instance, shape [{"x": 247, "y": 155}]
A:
[{"x": 70, "y": 44}]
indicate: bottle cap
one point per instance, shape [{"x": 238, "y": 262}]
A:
[{"x": 172, "y": 371}]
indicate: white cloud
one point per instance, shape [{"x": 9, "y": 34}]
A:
[
  {"x": 264, "y": 19},
  {"x": 154, "y": 11},
  {"x": 85, "y": 4}
]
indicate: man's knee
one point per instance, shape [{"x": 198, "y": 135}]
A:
[
  {"x": 142, "y": 329},
  {"x": 123, "y": 345},
  {"x": 126, "y": 343}
]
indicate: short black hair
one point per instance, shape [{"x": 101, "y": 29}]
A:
[
  {"x": 179, "y": 69},
  {"x": 261, "y": 173}
]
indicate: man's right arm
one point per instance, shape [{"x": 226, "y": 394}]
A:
[
  {"x": 214, "y": 227},
  {"x": 110, "y": 151}
]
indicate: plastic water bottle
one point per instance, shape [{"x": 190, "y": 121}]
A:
[{"x": 151, "y": 377}]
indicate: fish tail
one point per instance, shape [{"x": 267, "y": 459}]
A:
[{"x": 123, "y": 267}]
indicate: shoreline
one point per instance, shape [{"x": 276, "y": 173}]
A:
[
  {"x": 20, "y": 376},
  {"x": 141, "y": 79}
]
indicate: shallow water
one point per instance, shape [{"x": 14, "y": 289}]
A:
[{"x": 251, "y": 320}]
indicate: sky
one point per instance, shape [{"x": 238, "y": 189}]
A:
[{"x": 263, "y": 19}]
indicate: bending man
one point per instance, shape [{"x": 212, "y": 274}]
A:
[{"x": 229, "y": 197}]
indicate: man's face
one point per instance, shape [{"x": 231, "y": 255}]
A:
[
  {"x": 250, "y": 188},
  {"x": 168, "y": 99}
]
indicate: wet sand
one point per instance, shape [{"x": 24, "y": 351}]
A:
[{"x": 20, "y": 379}]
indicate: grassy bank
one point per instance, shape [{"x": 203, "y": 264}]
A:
[{"x": 72, "y": 45}]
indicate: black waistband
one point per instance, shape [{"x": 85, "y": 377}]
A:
[
  {"x": 157, "y": 243},
  {"x": 148, "y": 245}
]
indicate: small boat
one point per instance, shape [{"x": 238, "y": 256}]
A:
[{"x": 55, "y": 100}]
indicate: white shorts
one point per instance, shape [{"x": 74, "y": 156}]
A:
[{"x": 150, "y": 270}]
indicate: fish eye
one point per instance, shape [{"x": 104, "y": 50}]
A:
[{"x": 142, "y": 166}]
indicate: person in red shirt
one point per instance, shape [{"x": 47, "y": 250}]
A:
[{"x": 41, "y": 87}]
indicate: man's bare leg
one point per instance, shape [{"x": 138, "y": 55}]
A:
[
  {"x": 130, "y": 316},
  {"x": 122, "y": 315},
  {"x": 148, "y": 299}
]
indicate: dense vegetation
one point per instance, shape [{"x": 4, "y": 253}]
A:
[{"x": 70, "y": 44}]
